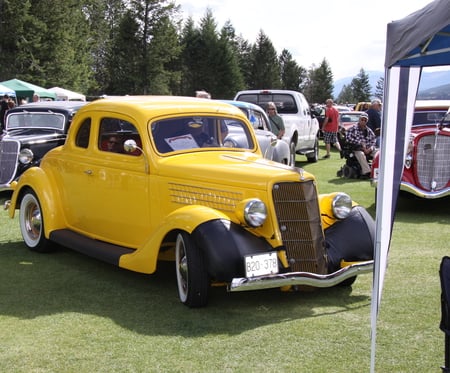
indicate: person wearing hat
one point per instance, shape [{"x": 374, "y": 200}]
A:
[{"x": 362, "y": 141}]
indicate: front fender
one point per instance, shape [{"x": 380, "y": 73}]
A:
[
  {"x": 187, "y": 218},
  {"x": 225, "y": 244},
  {"x": 39, "y": 182}
]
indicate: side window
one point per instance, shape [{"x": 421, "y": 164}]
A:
[
  {"x": 114, "y": 132},
  {"x": 82, "y": 138}
]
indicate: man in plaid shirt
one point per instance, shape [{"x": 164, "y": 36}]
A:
[{"x": 362, "y": 141}]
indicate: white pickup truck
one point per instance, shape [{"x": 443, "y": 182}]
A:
[{"x": 302, "y": 128}]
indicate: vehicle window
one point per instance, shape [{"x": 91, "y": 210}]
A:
[
  {"x": 114, "y": 132},
  {"x": 36, "y": 120},
  {"x": 427, "y": 117},
  {"x": 188, "y": 133},
  {"x": 82, "y": 137},
  {"x": 285, "y": 103}
]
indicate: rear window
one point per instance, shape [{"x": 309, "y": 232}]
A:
[{"x": 285, "y": 102}]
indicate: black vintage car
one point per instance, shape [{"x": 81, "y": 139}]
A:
[{"x": 31, "y": 130}]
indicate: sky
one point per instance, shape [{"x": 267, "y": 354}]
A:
[{"x": 350, "y": 34}]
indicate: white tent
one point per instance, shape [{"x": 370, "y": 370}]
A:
[
  {"x": 6, "y": 91},
  {"x": 66, "y": 95},
  {"x": 419, "y": 40}
]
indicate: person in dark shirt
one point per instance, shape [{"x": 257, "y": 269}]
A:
[{"x": 374, "y": 122}]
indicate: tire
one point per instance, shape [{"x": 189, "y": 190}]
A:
[
  {"x": 291, "y": 154},
  {"x": 192, "y": 277},
  {"x": 348, "y": 282},
  {"x": 348, "y": 172},
  {"x": 32, "y": 223},
  {"x": 314, "y": 156}
]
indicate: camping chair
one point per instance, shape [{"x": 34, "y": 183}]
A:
[{"x": 444, "y": 274}]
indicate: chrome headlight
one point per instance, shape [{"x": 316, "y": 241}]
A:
[
  {"x": 341, "y": 205},
  {"x": 408, "y": 161},
  {"x": 25, "y": 156},
  {"x": 252, "y": 212}
]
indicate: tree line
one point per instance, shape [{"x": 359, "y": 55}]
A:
[{"x": 119, "y": 47}]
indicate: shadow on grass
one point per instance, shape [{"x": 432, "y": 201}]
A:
[{"x": 36, "y": 285}]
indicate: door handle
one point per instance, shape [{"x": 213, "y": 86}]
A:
[{"x": 88, "y": 172}]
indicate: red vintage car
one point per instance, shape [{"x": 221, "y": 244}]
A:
[{"x": 426, "y": 171}]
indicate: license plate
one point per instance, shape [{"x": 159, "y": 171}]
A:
[{"x": 261, "y": 264}]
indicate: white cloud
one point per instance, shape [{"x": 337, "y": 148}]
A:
[{"x": 350, "y": 34}]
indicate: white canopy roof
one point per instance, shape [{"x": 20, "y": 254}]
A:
[{"x": 66, "y": 95}]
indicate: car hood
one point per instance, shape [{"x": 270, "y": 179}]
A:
[{"x": 245, "y": 169}]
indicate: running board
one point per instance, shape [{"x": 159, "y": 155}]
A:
[{"x": 104, "y": 251}]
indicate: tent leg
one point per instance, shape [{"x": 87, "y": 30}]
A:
[{"x": 446, "y": 368}]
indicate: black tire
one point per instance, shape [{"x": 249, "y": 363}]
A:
[
  {"x": 348, "y": 172},
  {"x": 291, "y": 154},
  {"x": 314, "y": 156},
  {"x": 348, "y": 282},
  {"x": 192, "y": 277},
  {"x": 32, "y": 223}
]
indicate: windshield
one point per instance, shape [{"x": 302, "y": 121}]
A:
[
  {"x": 35, "y": 120},
  {"x": 186, "y": 133}
]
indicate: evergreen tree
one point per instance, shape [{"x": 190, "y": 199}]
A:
[
  {"x": 265, "y": 66},
  {"x": 292, "y": 75},
  {"x": 320, "y": 83},
  {"x": 361, "y": 86},
  {"x": 379, "y": 89},
  {"x": 346, "y": 95}
]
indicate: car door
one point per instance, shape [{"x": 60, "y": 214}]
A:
[{"x": 107, "y": 192}]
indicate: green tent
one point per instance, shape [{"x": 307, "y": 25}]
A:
[{"x": 27, "y": 90}]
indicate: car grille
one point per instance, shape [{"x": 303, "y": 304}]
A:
[
  {"x": 298, "y": 214},
  {"x": 9, "y": 152},
  {"x": 433, "y": 162}
]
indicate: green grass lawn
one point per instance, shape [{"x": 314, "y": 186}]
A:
[{"x": 64, "y": 312}]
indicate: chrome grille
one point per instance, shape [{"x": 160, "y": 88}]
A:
[
  {"x": 298, "y": 215},
  {"x": 9, "y": 153},
  {"x": 433, "y": 162}
]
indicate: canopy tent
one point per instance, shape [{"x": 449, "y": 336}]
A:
[
  {"x": 419, "y": 40},
  {"x": 6, "y": 91},
  {"x": 66, "y": 95},
  {"x": 27, "y": 90}
]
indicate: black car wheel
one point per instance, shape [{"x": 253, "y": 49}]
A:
[
  {"x": 313, "y": 157},
  {"x": 32, "y": 223},
  {"x": 192, "y": 277}
]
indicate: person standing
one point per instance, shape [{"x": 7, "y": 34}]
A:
[
  {"x": 276, "y": 122},
  {"x": 330, "y": 128},
  {"x": 374, "y": 122}
]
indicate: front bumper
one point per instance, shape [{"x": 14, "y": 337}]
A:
[{"x": 301, "y": 278}]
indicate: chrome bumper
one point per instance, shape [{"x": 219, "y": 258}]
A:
[{"x": 301, "y": 278}]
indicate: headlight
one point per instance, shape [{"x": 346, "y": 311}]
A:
[
  {"x": 252, "y": 212},
  {"x": 341, "y": 205},
  {"x": 25, "y": 156}
]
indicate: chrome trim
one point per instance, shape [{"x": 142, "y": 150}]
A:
[
  {"x": 7, "y": 204},
  {"x": 301, "y": 278},
  {"x": 410, "y": 188}
]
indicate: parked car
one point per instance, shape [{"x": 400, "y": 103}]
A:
[
  {"x": 271, "y": 147},
  {"x": 31, "y": 130},
  {"x": 426, "y": 173},
  {"x": 348, "y": 119},
  {"x": 301, "y": 125},
  {"x": 177, "y": 189}
]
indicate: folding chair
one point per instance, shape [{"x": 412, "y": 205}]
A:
[{"x": 444, "y": 274}]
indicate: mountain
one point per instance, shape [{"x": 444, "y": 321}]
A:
[{"x": 434, "y": 84}]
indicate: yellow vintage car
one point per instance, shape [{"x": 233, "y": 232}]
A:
[{"x": 147, "y": 178}]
